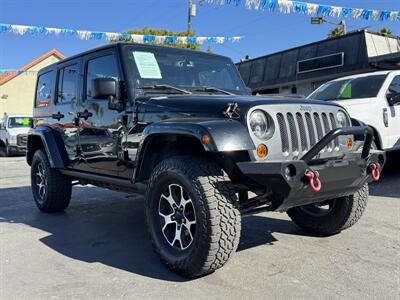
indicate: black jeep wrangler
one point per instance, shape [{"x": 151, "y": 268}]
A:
[{"x": 180, "y": 127}]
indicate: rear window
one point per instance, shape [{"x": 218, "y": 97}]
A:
[
  {"x": 67, "y": 84},
  {"x": 352, "y": 88},
  {"x": 44, "y": 89}
]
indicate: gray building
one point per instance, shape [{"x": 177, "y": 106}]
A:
[{"x": 302, "y": 69}]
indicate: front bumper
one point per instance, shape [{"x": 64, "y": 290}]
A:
[
  {"x": 339, "y": 177},
  {"x": 17, "y": 149}
]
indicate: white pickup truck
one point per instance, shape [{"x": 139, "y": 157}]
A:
[
  {"x": 372, "y": 99},
  {"x": 13, "y": 133}
]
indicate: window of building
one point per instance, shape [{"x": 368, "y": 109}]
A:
[
  {"x": 44, "y": 89},
  {"x": 101, "y": 67},
  {"x": 67, "y": 84}
]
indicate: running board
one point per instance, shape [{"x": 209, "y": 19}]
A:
[{"x": 103, "y": 180}]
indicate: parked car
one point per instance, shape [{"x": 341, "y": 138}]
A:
[
  {"x": 371, "y": 99},
  {"x": 14, "y": 133},
  {"x": 180, "y": 127}
]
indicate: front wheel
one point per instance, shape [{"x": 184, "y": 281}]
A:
[
  {"x": 192, "y": 215},
  {"x": 51, "y": 190},
  {"x": 8, "y": 152},
  {"x": 332, "y": 216}
]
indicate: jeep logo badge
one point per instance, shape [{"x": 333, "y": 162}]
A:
[{"x": 307, "y": 108}]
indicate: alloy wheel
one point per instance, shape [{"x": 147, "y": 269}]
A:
[
  {"x": 178, "y": 217},
  {"x": 41, "y": 182}
]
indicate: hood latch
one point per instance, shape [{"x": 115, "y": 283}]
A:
[{"x": 232, "y": 111}]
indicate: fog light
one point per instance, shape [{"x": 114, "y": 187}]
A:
[
  {"x": 262, "y": 151},
  {"x": 290, "y": 171}
]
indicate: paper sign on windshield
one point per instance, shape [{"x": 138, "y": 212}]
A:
[{"x": 147, "y": 65}]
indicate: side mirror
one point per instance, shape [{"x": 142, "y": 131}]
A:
[
  {"x": 103, "y": 88},
  {"x": 108, "y": 88},
  {"x": 393, "y": 99}
]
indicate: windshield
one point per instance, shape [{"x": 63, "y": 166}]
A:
[
  {"x": 196, "y": 72},
  {"x": 16, "y": 122},
  {"x": 352, "y": 88}
]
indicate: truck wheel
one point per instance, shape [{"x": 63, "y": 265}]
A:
[
  {"x": 51, "y": 190},
  {"x": 192, "y": 215},
  {"x": 8, "y": 150},
  {"x": 331, "y": 216}
]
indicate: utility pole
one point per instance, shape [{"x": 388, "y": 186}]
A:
[{"x": 191, "y": 13}]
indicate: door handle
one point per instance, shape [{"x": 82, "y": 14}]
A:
[
  {"x": 58, "y": 116},
  {"x": 84, "y": 114},
  {"x": 385, "y": 117}
]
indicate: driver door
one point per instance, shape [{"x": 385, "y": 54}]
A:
[
  {"x": 100, "y": 131},
  {"x": 394, "y": 115}
]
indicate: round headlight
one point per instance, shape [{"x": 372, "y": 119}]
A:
[
  {"x": 341, "y": 119},
  {"x": 261, "y": 125}
]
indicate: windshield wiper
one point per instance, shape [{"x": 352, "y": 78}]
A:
[
  {"x": 165, "y": 87},
  {"x": 211, "y": 89}
]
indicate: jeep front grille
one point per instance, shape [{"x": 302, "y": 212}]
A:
[{"x": 301, "y": 131}]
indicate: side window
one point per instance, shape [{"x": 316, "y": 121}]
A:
[
  {"x": 394, "y": 87},
  {"x": 101, "y": 67},
  {"x": 44, "y": 89},
  {"x": 67, "y": 84}
]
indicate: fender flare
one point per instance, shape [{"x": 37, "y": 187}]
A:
[
  {"x": 224, "y": 135},
  {"x": 52, "y": 144},
  {"x": 377, "y": 136}
]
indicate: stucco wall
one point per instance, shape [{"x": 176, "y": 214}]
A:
[{"x": 20, "y": 90}]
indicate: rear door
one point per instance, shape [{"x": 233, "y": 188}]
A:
[
  {"x": 65, "y": 106},
  {"x": 55, "y": 103},
  {"x": 101, "y": 131}
]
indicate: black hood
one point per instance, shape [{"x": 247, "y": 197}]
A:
[{"x": 214, "y": 105}]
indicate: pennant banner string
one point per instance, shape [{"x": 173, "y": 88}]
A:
[
  {"x": 288, "y": 6},
  {"x": 113, "y": 36}
]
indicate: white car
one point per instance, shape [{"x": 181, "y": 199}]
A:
[
  {"x": 13, "y": 133},
  {"x": 372, "y": 99}
]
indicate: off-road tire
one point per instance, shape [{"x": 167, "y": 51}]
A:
[
  {"x": 345, "y": 213},
  {"x": 218, "y": 218},
  {"x": 58, "y": 186}
]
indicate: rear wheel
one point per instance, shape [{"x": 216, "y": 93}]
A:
[
  {"x": 333, "y": 216},
  {"x": 192, "y": 216},
  {"x": 51, "y": 190}
]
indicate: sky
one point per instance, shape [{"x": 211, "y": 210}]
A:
[{"x": 263, "y": 32}]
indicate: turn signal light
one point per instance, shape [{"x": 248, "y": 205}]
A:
[
  {"x": 349, "y": 143},
  {"x": 206, "y": 139},
  {"x": 262, "y": 151}
]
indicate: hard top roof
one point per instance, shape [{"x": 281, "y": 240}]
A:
[{"x": 122, "y": 44}]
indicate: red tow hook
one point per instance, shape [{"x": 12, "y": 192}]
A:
[
  {"x": 375, "y": 169},
  {"x": 315, "y": 182}
]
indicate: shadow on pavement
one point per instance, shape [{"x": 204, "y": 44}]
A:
[
  {"x": 109, "y": 228},
  {"x": 113, "y": 231}
]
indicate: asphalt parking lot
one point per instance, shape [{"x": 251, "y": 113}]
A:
[{"x": 99, "y": 249}]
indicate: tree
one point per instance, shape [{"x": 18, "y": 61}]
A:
[
  {"x": 385, "y": 31},
  {"x": 164, "y": 32},
  {"x": 336, "y": 32}
]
